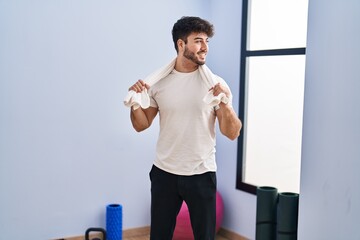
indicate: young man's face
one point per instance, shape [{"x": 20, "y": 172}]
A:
[{"x": 196, "y": 48}]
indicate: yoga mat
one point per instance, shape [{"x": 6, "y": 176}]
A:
[
  {"x": 114, "y": 222},
  {"x": 266, "y": 206},
  {"x": 287, "y": 221}
]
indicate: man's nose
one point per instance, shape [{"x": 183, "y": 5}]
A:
[{"x": 204, "y": 46}]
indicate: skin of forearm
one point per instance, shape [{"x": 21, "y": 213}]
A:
[
  {"x": 230, "y": 123},
  {"x": 139, "y": 119}
]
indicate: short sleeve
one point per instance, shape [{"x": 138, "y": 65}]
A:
[{"x": 153, "y": 102}]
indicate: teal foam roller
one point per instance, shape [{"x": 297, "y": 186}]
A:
[
  {"x": 287, "y": 222},
  {"x": 286, "y": 237},
  {"x": 265, "y": 231},
  {"x": 266, "y": 206}
]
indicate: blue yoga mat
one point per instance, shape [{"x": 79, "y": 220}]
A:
[{"x": 114, "y": 222}]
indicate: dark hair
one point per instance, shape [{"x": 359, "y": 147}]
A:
[{"x": 187, "y": 25}]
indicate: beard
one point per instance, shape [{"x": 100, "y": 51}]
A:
[{"x": 191, "y": 56}]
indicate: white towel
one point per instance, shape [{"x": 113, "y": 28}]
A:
[{"x": 136, "y": 100}]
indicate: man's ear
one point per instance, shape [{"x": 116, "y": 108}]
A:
[{"x": 181, "y": 44}]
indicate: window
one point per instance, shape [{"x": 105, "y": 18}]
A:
[{"x": 271, "y": 94}]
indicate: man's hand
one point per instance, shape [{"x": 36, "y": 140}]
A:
[
  {"x": 139, "y": 86},
  {"x": 218, "y": 88}
]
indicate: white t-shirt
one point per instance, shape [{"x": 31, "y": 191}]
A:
[{"x": 186, "y": 143}]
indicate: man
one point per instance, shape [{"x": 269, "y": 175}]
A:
[{"x": 184, "y": 167}]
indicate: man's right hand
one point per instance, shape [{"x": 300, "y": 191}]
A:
[{"x": 139, "y": 86}]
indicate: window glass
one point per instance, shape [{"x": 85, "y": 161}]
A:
[
  {"x": 276, "y": 24},
  {"x": 274, "y": 96}
]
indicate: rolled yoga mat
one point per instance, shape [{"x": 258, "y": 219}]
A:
[
  {"x": 287, "y": 222},
  {"x": 266, "y": 206},
  {"x": 114, "y": 222}
]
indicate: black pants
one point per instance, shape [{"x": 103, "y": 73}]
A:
[{"x": 168, "y": 191}]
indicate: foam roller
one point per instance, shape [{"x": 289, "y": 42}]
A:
[
  {"x": 287, "y": 222},
  {"x": 114, "y": 222},
  {"x": 266, "y": 206}
]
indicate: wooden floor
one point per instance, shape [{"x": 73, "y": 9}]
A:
[
  {"x": 146, "y": 237},
  {"x": 143, "y": 233}
]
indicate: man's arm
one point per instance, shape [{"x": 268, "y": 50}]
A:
[
  {"x": 229, "y": 123},
  {"x": 141, "y": 118}
]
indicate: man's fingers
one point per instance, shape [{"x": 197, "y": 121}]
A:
[{"x": 139, "y": 86}]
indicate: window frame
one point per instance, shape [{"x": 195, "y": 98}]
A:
[{"x": 245, "y": 54}]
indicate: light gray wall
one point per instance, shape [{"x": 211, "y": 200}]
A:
[
  {"x": 67, "y": 148},
  {"x": 330, "y": 179}
]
